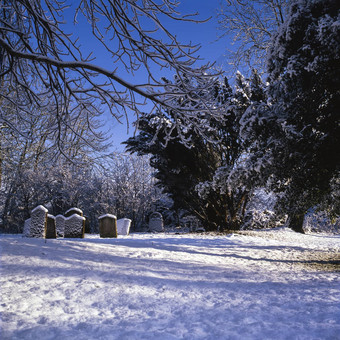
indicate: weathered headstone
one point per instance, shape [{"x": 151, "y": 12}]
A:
[
  {"x": 27, "y": 227},
  {"x": 60, "y": 225},
  {"x": 156, "y": 222},
  {"x": 192, "y": 223},
  {"x": 74, "y": 226},
  {"x": 73, "y": 211},
  {"x": 123, "y": 226},
  {"x": 108, "y": 226},
  {"x": 76, "y": 211},
  {"x": 38, "y": 222},
  {"x": 50, "y": 227}
]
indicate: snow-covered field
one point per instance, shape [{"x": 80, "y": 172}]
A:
[{"x": 263, "y": 285}]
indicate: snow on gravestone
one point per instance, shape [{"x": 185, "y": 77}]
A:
[
  {"x": 77, "y": 211},
  {"x": 38, "y": 222},
  {"x": 108, "y": 225},
  {"x": 74, "y": 226},
  {"x": 72, "y": 211},
  {"x": 156, "y": 222},
  {"x": 50, "y": 227},
  {"x": 60, "y": 225},
  {"x": 123, "y": 226}
]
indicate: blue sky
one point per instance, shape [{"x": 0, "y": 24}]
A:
[{"x": 206, "y": 34}]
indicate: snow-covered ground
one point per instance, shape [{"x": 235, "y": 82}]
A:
[{"x": 262, "y": 285}]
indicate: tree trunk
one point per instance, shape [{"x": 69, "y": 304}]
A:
[
  {"x": 295, "y": 222},
  {"x": 233, "y": 220},
  {"x": 235, "y": 223}
]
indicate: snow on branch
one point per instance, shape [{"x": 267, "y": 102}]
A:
[{"x": 41, "y": 59}]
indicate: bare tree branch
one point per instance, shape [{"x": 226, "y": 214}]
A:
[
  {"x": 38, "y": 56},
  {"x": 250, "y": 25}
]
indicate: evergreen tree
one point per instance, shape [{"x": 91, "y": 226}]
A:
[
  {"x": 239, "y": 174},
  {"x": 178, "y": 168},
  {"x": 197, "y": 176},
  {"x": 296, "y": 135}
]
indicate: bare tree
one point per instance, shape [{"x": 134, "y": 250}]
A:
[
  {"x": 131, "y": 184},
  {"x": 48, "y": 64},
  {"x": 250, "y": 24},
  {"x": 28, "y": 152}
]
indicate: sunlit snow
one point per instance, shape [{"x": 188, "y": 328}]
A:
[{"x": 262, "y": 285}]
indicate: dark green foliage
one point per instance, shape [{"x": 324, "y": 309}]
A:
[
  {"x": 179, "y": 168},
  {"x": 298, "y": 133},
  {"x": 196, "y": 176}
]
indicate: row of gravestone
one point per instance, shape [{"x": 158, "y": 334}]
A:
[{"x": 72, "y": 225}]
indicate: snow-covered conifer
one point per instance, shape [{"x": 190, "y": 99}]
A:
[{"x": 295, "y": 135}]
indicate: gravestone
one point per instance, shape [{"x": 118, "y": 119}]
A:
[
  {"x": 123, "y": 226},
  {"x": 108, "y": 226},
  {"x": 156, "y": 222},
  {"x": 38, "y": 222},
  {"x": 27, "y": 226},
  {"x": 50, "y": 227},
  {"x": 60, "y": 225},
  {"x": 73, "y": 211},
  {"x": 74, "y": 226},
  {"x": 192, "y": 223},
  {"x": 76, "y": 211}
]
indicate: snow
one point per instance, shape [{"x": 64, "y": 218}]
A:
[
  {"x": 75, "y": 217},
  {"x": 74, "y": 210},
  {"x": 107, "y": 215},
  {"x": 39, "y": 207},
  {"x": 255, "y": 285}
]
